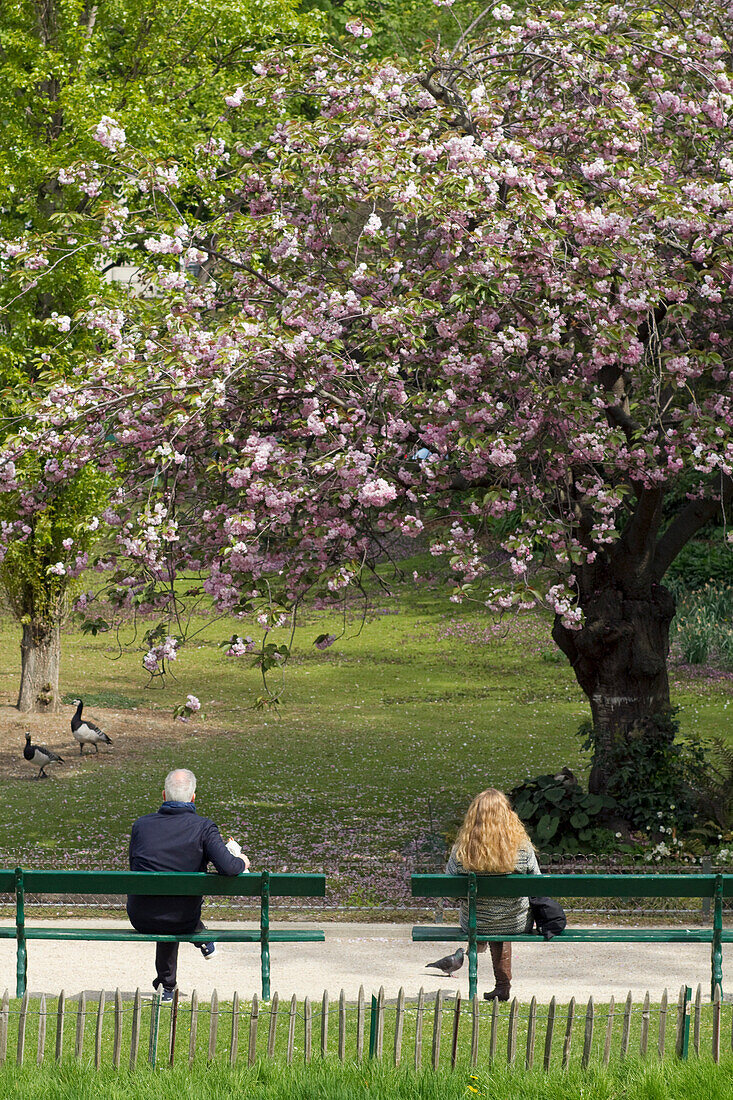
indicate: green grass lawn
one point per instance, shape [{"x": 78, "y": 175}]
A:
[
  {"x": 380, "y": 743},
  {"x": 633, "y": 1080}
]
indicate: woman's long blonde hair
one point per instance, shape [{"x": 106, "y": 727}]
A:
[{"x": 491, "y": 835}]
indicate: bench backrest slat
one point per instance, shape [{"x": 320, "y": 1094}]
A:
[
  {"x": 169, "y": 882},
  {"x": 576, "y": 885}
]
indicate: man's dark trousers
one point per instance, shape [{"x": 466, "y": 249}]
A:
[{"x": 174, "y": 839}]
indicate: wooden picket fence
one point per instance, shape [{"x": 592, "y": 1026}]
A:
[{"x": 442, "y": 1031}]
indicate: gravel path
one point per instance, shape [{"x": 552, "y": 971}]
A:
[{"x": 370, "y": 954}]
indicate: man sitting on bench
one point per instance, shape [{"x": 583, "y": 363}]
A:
[{"x": 176, "y": 839}]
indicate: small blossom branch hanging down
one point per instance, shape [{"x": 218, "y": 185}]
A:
[{"x": 491, "y": 294}]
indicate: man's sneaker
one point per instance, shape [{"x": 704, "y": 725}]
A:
[
  {"x": 208, "y": 950},
  {"x": 166, "y": 995}
]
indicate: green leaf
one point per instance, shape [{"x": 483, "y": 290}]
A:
[
  {"x": 547, "y": 827},
  {"x": 579, "y": 819}
]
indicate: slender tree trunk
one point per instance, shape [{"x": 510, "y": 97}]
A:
[
  {"x": 40, "y": 650},
  {"x": 620, "y": 661}
]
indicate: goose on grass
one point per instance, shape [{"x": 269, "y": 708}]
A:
[
  {"x": 41, "y": 756},
  {"x": 85, "y": 732}
]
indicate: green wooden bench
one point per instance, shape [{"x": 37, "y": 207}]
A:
[
  {"x": 262, "y": 886},
  {"x": 472, "y": 886}
]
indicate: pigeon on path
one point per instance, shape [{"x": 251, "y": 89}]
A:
[
  {"x": 85, "y": 732},
  {"x": 450, "y": 963},
  {"x": 41, "y": 756}
]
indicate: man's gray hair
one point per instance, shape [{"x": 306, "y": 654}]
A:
[{"x": 180, "y": 785}]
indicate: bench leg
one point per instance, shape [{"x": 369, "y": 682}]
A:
[
  {"x": 265, "y": 935},
  {"x": 472, "y": 948},
  {"x": 21, "y": 964},
  {"x": 21, "y": 969},
  {"x": 717, "y": 944}
]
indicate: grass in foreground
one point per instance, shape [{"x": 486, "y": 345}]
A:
[{"x": 330, "y": 1081}]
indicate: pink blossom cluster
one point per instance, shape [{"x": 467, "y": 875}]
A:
[{"x": 110, "y": 134}]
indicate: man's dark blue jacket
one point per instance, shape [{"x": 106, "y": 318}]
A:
[{"x": 175, "y": 839}]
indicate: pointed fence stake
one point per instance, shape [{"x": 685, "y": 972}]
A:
[
  {"x": 531, "y": 1033},
  {"x": 360, "y": 1016},
  {"x": 568, "y": 1034},
  {"x": 291, "y": 1029},
  {"x": 154, "y": 1028},
  {"x": 41, "y": 1030},
  {"x": 4, "y": 1020},
  {"x": 456, "y": 1025},
  {"x": 60, "y": 1014},
  {"x": 254, "y": 1018},
  {"x": 135, "y": 1035},
  {"x": 234, "y": 1037},
  {"x": 175, "y": 1005},
  {"x": 547, "y": 1057},
  {"x": 117, "y": 1045},
  {"x": 342, "y": 1026},
  {"x": 511, "y": 1046},
  {"x": 698, "y": 1013},
  {"x": 272, "y": 1029},
  {"x": 645, "y": 1014},
  {"x": 418, "y": 1027},
  {"x": 81, "y": 1019},
  {"x": 194, "y": 1027},
  {"x": 609, "y": 1030},
  {"x": 213, "y": 1025},
  {"x": 662, "y": 1024},
  {"x": 437, "y": 1021},
  {"x": 380, "y": 1022},
  {"x": 475, "y": 1020},
  {"x": 716, "y": 1023},
  {"x": 324, "y": 1024},
  {"x": 494, "y": 1038},
  {"x": 21, "y": 1027},
  {"x": 682, "y": 1038},
  {"x": 307, "y": 1031},
  {"x": 588, "y": 1035},
  {"x": 399, "y": 1023},
  {"x": 626, "y": 1028},
  {"x": 98, "y": 1031}
]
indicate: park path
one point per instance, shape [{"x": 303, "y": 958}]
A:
[{"x": 370, "y": 954}]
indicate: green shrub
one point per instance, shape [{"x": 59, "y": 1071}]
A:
[{"x": 561, "y": 816}]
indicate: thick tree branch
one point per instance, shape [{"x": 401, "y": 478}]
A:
[
  {"x": 644, "y": 523},
  {"x": 685, "y": 525}
]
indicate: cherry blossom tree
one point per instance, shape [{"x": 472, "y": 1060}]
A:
[{"x": 492, "y": 294}]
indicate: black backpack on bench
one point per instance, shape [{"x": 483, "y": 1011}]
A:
[{"x": 548, "y": 917}]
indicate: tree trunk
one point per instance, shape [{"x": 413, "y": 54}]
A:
[
  {"x": 40, "y": 650},
  {"x": 620, "y": 661}
]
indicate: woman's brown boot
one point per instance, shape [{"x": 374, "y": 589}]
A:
[{"x": 501, "y": 960}]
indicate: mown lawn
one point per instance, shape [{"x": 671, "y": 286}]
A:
[
  {"x": 379, "y": 744},
  {"x": 328, "y": 1081}
]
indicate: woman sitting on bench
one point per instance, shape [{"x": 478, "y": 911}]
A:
[{"x": 493, "y": 841}]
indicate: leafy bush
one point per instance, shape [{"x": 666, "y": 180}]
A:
[{"x": 561, "y": 816}]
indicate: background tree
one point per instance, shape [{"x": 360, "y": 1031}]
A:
[
  {"x": 66, "y": 68},
  {"x": 496, "y": 291}
]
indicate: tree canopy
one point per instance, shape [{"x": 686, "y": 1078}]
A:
[{"x": 487, "y": 294}]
